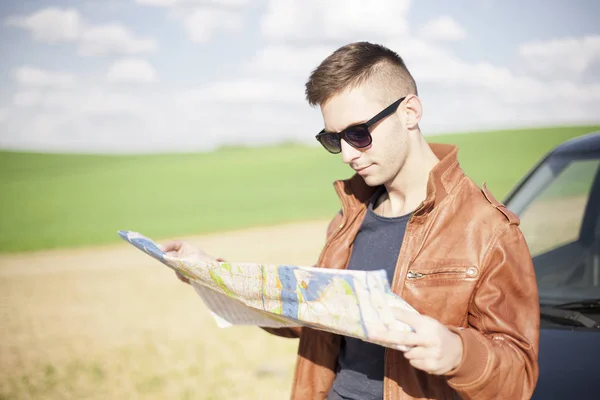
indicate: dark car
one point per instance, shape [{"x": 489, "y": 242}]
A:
[{"x": 558, "y": 203}]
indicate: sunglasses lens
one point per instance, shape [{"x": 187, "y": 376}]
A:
[
  {"x": 331, "y": 142},
  {"x": 358, "y": 137}
]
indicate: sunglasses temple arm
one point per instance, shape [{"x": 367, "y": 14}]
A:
[{"x": 387, "y": 111}]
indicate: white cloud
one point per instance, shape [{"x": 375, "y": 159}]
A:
[
  {"x": 96, "y": 119},
  {"x": 457, "y": 95},
  {"x": 184, "y": 3},
  {"x": 113, "y": 39},
  {"x": 443, "y": 28},
  {"x": 202, "y": 19},
  {"x": 37, "y": 77},
  {"x": 158, "y": 3},
  {"x": 53, "y": 25},
  {"x": 289, "y": 60},
  {"x": 255, "y": 111},
  {"x": 27, "y": 98},
  {"x": 101, "y": 102},
  {"x": 225, "y": 3},
  {"x": 202, "y": 23},
  {"x": 261, "y": 99},
  {"x": 245, "y": 91},
  {"x": 472, "y": 110},
  {"x": 432, "y": 64},
  {"x": 52, "y": 131},
  {"x": 426, "y": 60},
  {"x": 421, "y": 56},
  {"x": 565, "y": 58},
  {"x": 62, "y": 100},
  {"x": 85, "y": 101},
  {"x": 438, "y": 70},
  {"x": 131, "y": 70},
  {"x": 335, "y": 19}
]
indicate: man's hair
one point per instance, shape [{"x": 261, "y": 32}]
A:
[{"x": 355, "y": 64}]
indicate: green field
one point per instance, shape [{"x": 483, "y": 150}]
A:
[{"x": 56, "y": 200}]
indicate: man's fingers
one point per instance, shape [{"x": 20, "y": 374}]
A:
[
  {"x": 410, "y": 339},
  {"x": 422, "y": 326},
  {"x": 412, "y": 319},
  {"x": 423, "y": 353}
]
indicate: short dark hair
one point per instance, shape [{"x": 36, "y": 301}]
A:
[{"x": 357, "y": 63}]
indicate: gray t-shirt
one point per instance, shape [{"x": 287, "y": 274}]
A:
[{"x": 360, "y": 364}]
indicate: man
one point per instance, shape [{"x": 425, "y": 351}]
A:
[{"x": 449, "y": 248}]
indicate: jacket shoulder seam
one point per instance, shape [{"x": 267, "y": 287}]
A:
[{"x": 512, "y": 218}]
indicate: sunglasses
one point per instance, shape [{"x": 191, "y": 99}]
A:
[{"x": 357, "y": 136}]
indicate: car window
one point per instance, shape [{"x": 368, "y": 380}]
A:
[
  {"x": 555, "y": 213},
  {"x": 552, "y": 204}
]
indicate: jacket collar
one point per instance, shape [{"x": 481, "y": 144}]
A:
[{"x": 354, "y": 193}]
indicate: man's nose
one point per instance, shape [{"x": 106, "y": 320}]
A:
[{"x": 349, "y": 153}]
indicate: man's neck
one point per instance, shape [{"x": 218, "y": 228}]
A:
[{"x": 406, "y": 192}]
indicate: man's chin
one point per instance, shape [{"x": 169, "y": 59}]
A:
[{"x": 372, "y": 180}]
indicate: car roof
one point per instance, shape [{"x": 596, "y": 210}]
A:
[{"x": 581, "y": 144}]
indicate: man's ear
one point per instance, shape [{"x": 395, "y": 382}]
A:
[{"x": 412, "y": 111}]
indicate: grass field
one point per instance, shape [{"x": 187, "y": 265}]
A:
[{"x": 56, "y": 200}]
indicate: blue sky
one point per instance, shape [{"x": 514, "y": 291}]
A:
[{"x": 186, "y": 75}]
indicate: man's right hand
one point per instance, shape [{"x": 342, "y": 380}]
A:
[{"x": 182, "y": 249}]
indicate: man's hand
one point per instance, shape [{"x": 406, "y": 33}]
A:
[
  {"x": 433, "y": 347},
  {"x": 181, "y": 249}
]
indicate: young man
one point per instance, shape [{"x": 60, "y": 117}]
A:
[{"x": 449, "y": 248}]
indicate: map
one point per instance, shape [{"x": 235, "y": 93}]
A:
[{"x": 352, "y": 303}]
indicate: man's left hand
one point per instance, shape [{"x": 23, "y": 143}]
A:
[{"x": 433, "y": 347}]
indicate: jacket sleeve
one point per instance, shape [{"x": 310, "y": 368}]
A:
[
  {"x": 295, "y": 332},
  {"x": 500, "y": 343}
]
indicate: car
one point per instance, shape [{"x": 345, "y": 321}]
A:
[{"x": 558, "y": 204}]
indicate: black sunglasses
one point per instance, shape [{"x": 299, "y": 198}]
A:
[{"x": 357, "y": 136}]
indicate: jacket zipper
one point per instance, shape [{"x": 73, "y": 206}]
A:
[{"x": 468, "y": 272}]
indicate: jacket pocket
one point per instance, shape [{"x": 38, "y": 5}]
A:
[{"x": 442, "y": 290}]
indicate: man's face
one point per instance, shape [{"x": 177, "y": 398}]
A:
[{"x": 380, "y": 162}]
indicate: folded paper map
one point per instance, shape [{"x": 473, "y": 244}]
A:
[{"x": 351, "y": 303}]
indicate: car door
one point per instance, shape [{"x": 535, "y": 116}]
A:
[{"x": 559, "y": 208}]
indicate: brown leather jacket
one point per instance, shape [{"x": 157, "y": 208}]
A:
[{"x": 477, "y": 279}]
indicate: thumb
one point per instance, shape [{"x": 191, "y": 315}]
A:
[{"x": 172, "y": 246}]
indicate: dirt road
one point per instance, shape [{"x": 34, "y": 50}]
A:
[{"x": 111, "y": 322}]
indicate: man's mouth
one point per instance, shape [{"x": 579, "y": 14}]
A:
[{"x": 359, "y": 169}]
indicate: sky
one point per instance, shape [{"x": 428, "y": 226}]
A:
[{"x": 137, "y": 76}]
